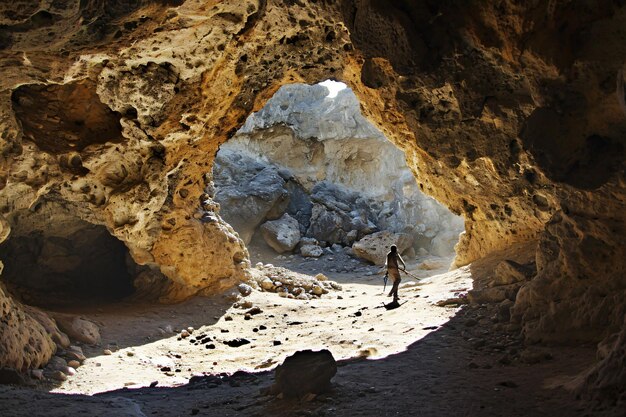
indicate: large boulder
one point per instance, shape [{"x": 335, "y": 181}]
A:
[
  {"x": 305, "y": 372},
  {"x": 375, "y": 247},
  {"x": 78, "y": 328},
  {"x": 248, "y": 191},
  {"x": 283, "y": 234}
]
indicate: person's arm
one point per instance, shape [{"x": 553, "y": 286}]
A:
[{"x": 401, "y": 261}]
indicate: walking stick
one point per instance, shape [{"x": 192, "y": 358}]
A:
[{"x": 410, "y": 274}]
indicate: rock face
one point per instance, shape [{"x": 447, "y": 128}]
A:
[{"x": 510, "y": 113}]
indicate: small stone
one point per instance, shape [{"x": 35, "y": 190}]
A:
[
  {"x": 190, "y": 329},
  {"x": 228, "y": 318},
  {"x": 254, "y": 310},
  {"x": 70, "y": 371},
  {"x": 321, "y": 277},
  {"x": 184, "y": 334},
  {"x": 277, "y": 342},
  {"x": 73, "y": 364},
  {"x": 107, "y": 352},
  {"x": 267, "y": 284},
  {"x": 78, "y": 356},
  {"x": 58, "y": 376},
  {"x": 37, "y": 374},
  {"x": 317, "y": 290},
  {"x": 244, "y": 289},
  {"x": 237, "y": 342}
]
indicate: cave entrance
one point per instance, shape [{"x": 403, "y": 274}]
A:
[
  {"x": 309, "y": 175},
  {"x": 54, "y": 259}
]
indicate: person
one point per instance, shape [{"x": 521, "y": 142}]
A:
[{"x": 393, "y": 270}]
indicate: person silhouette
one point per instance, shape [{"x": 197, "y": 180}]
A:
[{"x": 393, "y": 270}]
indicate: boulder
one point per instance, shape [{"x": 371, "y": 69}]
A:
[
  {"x": 283, "y": 234},
  {"x": 305, "y": 372},
  {"x": 375, "y": 247},
  {"x": 78, "y": 328},
  {"x": 311, "y": 251},
  {"x": 510, "y": 272},
  {"x": 248, "y": 190}
]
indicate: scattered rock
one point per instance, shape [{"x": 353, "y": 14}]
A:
[
  {"x": 254, "y": 310},
  {"x": 37, "y": 374},
  {"x": 73, "y": 364},
  {"x": 237, "y": 342},
  {"x": 58, "y": 376},
  {"x": 107, "y": 352},
  {"x": 244, "y": 289},
  {"x": 311, "y": 251}
]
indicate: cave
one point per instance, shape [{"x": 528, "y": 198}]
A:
[
  {"x": 56, "y": 260},
  {"x": 510, "y": 114},
  {"x": 308, "y": 162}
]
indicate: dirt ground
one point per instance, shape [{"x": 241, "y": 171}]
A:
[{"x": 419, "y": 359}]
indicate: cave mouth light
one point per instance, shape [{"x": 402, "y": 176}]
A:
[
  {"x": 334, "y": 87},
  {"x": 328, "y": 175}
]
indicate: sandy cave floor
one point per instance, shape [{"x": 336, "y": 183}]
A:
[{"x": 419, "y": 359}]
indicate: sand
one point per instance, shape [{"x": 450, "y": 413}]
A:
[{"x": 418, "y": 359}]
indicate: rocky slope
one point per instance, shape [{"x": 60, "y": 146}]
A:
[{"x": 507, "y": 111}]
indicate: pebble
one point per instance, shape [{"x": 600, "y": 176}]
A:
[
  {"x": 184, "y": 334},
  {"x": 107, "y": 352},
  {"x": 70, "y": 371},
  {"x": 244, "y": 289},
  {"x": 73, "y": 364},
  {"x": 130, "y": 353},
  {"x": 37, "y": 373},
  {"x": 228, "y": 318},
  {"x": 78, "y": 356},
  {"x": 58, "y": 375}
]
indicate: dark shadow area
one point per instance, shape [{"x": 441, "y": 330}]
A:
[
  {"x": 85, "y": 267},
  {"x": 583, "y": 162},
  {"x": 457, "y": 370}
]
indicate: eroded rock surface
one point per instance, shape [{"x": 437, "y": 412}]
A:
[{"x": 507, "y": 112}]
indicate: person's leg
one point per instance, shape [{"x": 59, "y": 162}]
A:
[{"x": 394, "y": 289}]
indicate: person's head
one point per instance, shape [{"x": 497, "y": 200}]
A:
[{"x": 394, "y": 248}]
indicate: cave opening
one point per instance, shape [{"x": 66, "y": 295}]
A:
[
  {"x": 53, "y": 259},
  {"x": 309, "y": 175}
]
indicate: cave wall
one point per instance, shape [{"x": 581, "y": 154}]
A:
[{"x": 509, "y": 112}]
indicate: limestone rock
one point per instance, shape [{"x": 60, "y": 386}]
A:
[
  {"x": 305, "y": 372},
  {"x": 375, "y": 247},
  {"x": 24, "y": 343},
  {"x": 283, "y": 234}
]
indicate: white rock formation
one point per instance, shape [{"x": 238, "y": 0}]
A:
[
  {"x": 318, "y": 138},
  {"x": 283, "y": 234}
]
